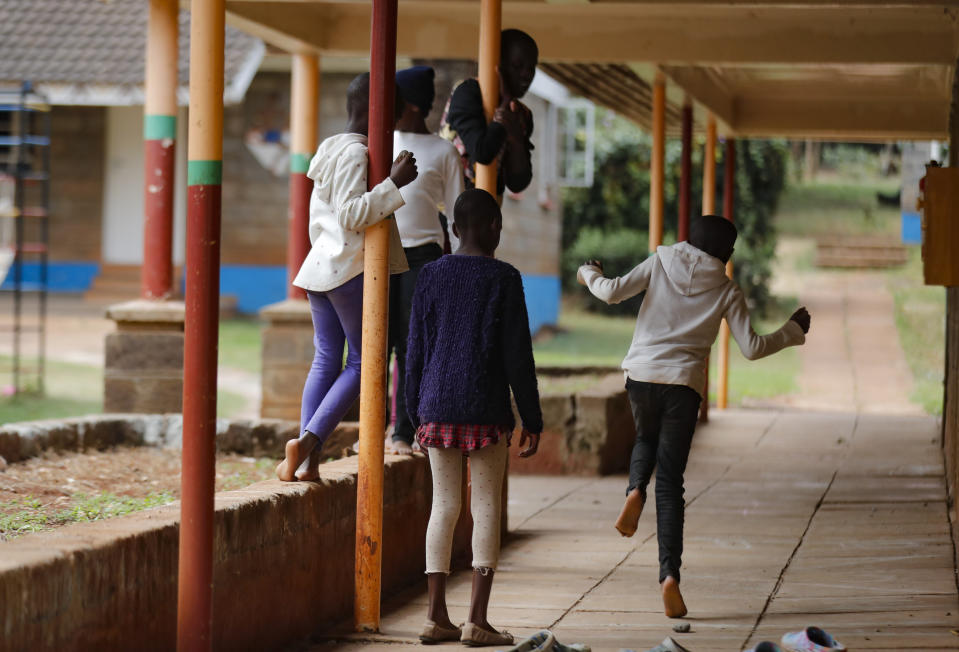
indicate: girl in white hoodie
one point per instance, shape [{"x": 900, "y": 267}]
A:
[
  {"x": 687, "y": 296},
  {"x": 341, "y": 208}
]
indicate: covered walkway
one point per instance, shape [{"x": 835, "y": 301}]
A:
[{"x": 793, "y": 518}]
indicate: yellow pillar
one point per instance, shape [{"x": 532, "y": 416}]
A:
[
  {"x": 304, "y": 106},
  {"x": 491, "y": 16},
  {"x": 657, "y": 165},
  {"x": 729, "y": 185}
]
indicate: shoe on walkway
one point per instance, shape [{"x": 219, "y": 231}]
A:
[
  {"x": 475, "y": 636},
  {"x": 811, "y": 639},
  {"x": 766, "y": 646},
  {"x": 669, "y": 645},
  {"x": 433, "y": 633},
  {"x": 628, "y": 520},
  {"x": 401, "y": 447},
  {"x": 673, "y": 604},
  {"x": 544, "y": 641}
]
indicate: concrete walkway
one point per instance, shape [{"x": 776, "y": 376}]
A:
[{"x": 793, "y": 518}]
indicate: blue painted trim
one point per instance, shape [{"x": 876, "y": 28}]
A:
[
  {"x": 254, "y": 286},
  {"x": 911, "y": 228},
  {"x": 62, "y": 276},
  {"x": 542, "y": 300}
]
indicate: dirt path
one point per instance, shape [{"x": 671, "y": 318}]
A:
[{"x": 852, "y": 359}]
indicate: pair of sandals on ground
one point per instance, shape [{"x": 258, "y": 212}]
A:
[{"x": 811, "y": 639}]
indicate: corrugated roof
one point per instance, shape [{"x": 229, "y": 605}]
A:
[{"x": 93, "y": 51}]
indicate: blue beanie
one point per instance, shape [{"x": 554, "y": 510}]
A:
[{"x": 416, "y": 86}]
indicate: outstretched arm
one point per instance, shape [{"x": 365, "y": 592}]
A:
[
  {"x": 756, "y": 346},
  {"x": 616, "y": 290}
]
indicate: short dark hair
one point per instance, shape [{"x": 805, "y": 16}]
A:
[
  {"x": 516, "y": 38},
  {"x": 358, "y": 94},
  {"x": 713, "y": 234},
  {"x": 474, "y": 208}
]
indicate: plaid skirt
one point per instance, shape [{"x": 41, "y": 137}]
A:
[{"x": 464, "y": 436}]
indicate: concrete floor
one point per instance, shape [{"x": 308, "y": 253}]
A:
[{"x": 793, "y": 518}]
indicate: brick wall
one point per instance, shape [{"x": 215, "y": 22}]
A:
[{"x": 76, "y": 187}]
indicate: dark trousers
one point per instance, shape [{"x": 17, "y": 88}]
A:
[
  {"x": 665, "y": 417},
  {"x": 401, "y": 304}
]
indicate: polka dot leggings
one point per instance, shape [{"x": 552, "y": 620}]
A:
[{"x": 487, "y": 466}]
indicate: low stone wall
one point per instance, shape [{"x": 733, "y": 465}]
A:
[
  {"x": 590, "y": 432},
  {"x": 258, "y": 437},
  {"x": 283, "y": 556}
]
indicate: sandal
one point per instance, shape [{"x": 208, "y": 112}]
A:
[
  {"x": 433, "y": 633},
  {"x": 475, "y": 636}
]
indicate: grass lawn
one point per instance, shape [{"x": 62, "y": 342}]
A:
[
  {"x": 240, "y": 343},
  {"x": 921, "y": 320},
  {"x": 837, "y": 207}
]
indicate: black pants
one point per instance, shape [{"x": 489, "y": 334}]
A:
[
  {"x": 401, "y": 304},
  {"x": 665, "y": 417}
]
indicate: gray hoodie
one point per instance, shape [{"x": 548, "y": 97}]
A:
[{"x": 687, "y": 296}]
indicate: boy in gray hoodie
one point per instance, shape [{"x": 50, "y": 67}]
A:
[{"x": 687, "y": 297}]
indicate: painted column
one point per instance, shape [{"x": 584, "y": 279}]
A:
[
  {"x": 657, "y": 164},
  {"x": 491, "y": 18},
  {"x": 304, "y": 106},
  {"x": 204, "y": 175},
  {"x": 950, "y": 400},
  {"x": 729, "y": 189},
  {"x": 709, "y": 208},
  {"x": 686, "y": 171},
  {"x": 159, "y": 133},
  {"x": 369, "y": 490}
]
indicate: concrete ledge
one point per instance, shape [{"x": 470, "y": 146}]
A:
[
  {"x": 259, "y": 437},
  {"x": 283, "y": 555},
  {"x": 587, "y": 433}
]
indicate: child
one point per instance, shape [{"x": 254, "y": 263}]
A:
[
  {"x": 341, "y": 209},
  {"x": 438, "y": 183},
  {"x": 506, "y": 137},
  {"x": 687, "y": 296},
  {"x": 469, "y": 345}
]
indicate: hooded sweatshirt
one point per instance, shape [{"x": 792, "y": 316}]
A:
[
  {"x": 341, "y": 208},
  {"x": 687, "y": 296}
]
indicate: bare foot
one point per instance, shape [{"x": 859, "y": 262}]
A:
[
  {"x": 286, "y": 470},
  {"x": 628, "y": 519},
  {"x": 400, "y": 447},
  {"x": 310, "y": 471},
  {"x": 673, "y": 603}
]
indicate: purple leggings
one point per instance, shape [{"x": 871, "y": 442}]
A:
[{"x": 330, "y": 388}]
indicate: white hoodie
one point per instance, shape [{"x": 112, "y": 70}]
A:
[
  {"x": 687, "y": 296},
  {"x": 340, "y": 210}
]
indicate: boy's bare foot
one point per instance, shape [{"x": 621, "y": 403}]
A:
[
  {"x": 310, "y": 471},
  {"x": 286, "y": 470},
  {"x": 400, "y": 447},
  {"x": 628, "y": 520},
  {"x": 673, "y": 603}
]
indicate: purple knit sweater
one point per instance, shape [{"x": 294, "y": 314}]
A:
[{"x": 469, "y": 344}]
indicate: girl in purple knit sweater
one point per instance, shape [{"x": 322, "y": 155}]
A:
[{"x": 469, "y": 345}]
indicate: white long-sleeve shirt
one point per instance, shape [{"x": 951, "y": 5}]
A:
[
  {"x": 687, "y": 296},
  {"x": 340, "y": 210},
  {"x": 439, "y": 181}
]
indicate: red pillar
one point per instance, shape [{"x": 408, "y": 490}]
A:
[
  {"x": 686, "y": 171},
  {"x": 204, "y": 176}
]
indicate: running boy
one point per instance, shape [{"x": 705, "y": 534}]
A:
[
  {"x": 687, "y": 296},
  {"x": 469, "y": 346},
  {"x": 341, "y": 208}
]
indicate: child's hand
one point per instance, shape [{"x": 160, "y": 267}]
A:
[
  {"x": 533, "y": 439},
  {"x": 595, "y": 263},
  {"x": 802, "y": 318},
  {"x": 589, "y": 263},
  {"x": 404, "y": 169}
]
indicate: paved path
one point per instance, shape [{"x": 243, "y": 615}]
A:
[{"x": 793, "y": 518}]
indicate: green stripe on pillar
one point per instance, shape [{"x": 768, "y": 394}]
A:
[
  {"x": 299, "y": 163},
  {"x": 159, "y": 127},
  {"x": 204, "y": 173}
]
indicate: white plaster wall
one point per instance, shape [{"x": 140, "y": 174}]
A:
[{"x": 123, "y": 187}]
